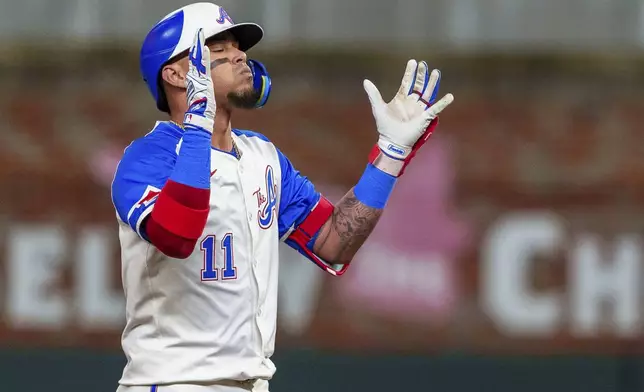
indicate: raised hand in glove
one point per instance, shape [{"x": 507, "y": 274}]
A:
[
  {"x": 199, "y": 88},
  {"x": 407, "y": 121}
]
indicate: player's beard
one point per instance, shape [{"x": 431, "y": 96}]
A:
[{"x": 244, "y": 99}]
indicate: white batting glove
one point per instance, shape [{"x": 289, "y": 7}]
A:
[
  {"x": 406, "y": 118},
  {"x": 199, "y": 88}
]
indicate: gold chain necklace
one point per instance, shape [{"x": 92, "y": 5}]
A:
[{"x": 235, "y": 148}]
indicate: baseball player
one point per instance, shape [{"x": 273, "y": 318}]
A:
[{"x": 202, "y": 207}]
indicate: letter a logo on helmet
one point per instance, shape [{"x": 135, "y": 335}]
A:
[
  {"x": 223, "y": 17},
  {"x": 172, "y": 37}
]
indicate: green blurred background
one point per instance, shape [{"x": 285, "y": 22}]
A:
[{"x": 510, "y": 257}]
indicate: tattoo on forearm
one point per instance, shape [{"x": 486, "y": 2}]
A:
[{"x": 353, "y": 222}]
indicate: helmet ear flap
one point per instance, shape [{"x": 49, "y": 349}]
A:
[{"x": 261, "y": 81}]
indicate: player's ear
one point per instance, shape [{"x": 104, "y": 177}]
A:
[{"x": 174, "y": 75}]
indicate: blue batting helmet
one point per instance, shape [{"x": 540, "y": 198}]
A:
[{"x": 173, "y": 35}]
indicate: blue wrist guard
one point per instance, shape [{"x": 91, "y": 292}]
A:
[{"x": 374, "y": 187}]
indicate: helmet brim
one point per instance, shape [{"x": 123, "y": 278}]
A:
[{"x": 247, "y": 34}]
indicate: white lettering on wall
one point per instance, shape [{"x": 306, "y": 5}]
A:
[
  {"x": 506, "y": 256},
  {"x": 614, "y": 282},
  {"x": 602, "y": 294},
  {"x": 35, "y": 260},
  {"x": 34, "y": 265}
]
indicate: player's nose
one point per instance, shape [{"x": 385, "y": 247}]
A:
[{"x": 239, "y": 57}]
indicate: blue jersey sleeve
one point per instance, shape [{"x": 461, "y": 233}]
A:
[
  {"x": 297, "y": 199},
  {"x": 141, "y": 174}
]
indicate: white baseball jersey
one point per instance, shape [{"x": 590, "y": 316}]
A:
[{"x": 213, "y": 315}]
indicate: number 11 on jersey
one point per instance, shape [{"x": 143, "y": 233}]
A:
[{"x": 210, "y": 270}]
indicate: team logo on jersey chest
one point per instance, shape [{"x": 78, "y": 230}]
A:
[{"x": 267, "y": 204}]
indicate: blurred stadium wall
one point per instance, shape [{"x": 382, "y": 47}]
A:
[{"x": 511, "y": 254}]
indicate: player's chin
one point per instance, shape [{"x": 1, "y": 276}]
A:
[{"x": 244, "y": 98}]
